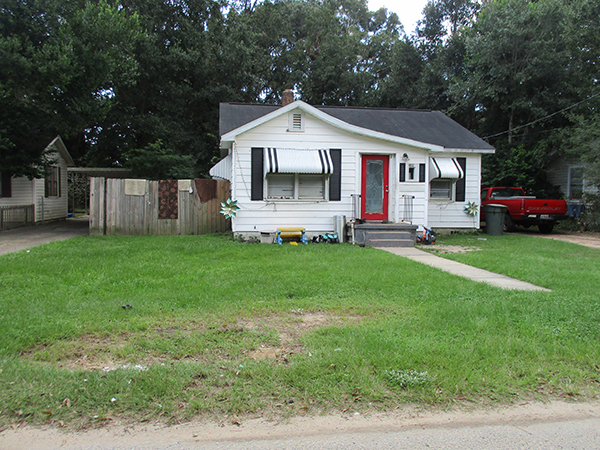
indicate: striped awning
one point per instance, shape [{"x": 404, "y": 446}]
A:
[
  {"x": 298, "y": 161},
  {"x": 445, "y": 168}
]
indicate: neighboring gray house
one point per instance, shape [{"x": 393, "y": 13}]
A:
[
  {"x": 27, "y": 201},
  {"x": 299, "y": 165},
  {"x": 567, "y": 173}
]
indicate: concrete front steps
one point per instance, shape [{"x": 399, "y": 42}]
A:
[{"x": 385, "y": 234}]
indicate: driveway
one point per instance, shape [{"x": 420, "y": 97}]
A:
[
  {"x": 26, "y": 237},
  {"x": 587, "y": 238}
]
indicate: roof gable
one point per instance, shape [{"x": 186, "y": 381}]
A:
[
  {"x": 420, "y": 128},
  {"x": 59, "y": 146}
]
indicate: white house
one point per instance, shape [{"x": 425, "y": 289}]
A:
[
  {"x": 25, "y": 201},
  {"x": 299, "y": 165}
]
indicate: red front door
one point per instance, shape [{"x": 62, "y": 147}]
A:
[{"x": 375, "y": 187}]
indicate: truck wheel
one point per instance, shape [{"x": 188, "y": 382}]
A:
[
  {"x": 508, "y": 225},
  {"x": 546, "y": 228}
]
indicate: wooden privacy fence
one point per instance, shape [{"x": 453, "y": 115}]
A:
[{"x": 144, "y": 207}]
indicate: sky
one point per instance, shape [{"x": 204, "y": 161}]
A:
[{"x": 409, "y": 11}]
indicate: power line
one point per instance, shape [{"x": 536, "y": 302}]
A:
[{"x": 543, "y": 118}]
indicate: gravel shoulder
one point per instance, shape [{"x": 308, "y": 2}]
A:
[
  {"x": 586, "y": 238},
  {"x": 252, "y": 433}
]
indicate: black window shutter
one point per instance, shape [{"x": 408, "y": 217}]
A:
[
  {"x": 421, "y": 173},
  {"x": 335, "y": 179},
  {"x": 460, "y": 184},
  {"x": 257, "y": 182},
  {"x": 402, "y": 172},
  {"x": 5, "y": 188}
]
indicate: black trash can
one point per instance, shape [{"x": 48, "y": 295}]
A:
[{"x": 494, "y": 219}]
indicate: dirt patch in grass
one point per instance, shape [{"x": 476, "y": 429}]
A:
[
  {"x": 440, "y": 248},
  {"x": 298, "y": 323},
  {"x": 273, "y": 337}
]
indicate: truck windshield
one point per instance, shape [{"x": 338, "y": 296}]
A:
[{"x": 507, "y": 192}]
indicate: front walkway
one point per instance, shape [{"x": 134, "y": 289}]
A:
[
  {"x": 463, "y": 270},
  {"x": 26, "y": 237}
]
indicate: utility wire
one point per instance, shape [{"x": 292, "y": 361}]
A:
[{"x": 543, "y": 118}]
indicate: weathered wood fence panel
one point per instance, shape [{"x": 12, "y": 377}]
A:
[{"x": 119, "y": 208}]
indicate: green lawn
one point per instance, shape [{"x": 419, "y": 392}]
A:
[{"x": 219, "y": 328}]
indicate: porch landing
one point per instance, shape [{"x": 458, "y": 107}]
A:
[{"x": 385, "y": 234}]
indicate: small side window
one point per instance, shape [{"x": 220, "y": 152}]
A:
[{"x": 441, "y": 188}]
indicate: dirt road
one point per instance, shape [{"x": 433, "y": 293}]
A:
[{"x": 528, "y": 425}]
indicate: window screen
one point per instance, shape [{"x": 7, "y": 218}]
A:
[
  {"x": 441, "y": 188},
  {"x": 311, "y": 186},
  {"x": 280, "y": 185}
]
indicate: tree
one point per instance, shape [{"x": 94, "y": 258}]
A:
[
  {"x": 61, "y": 61},
  {"x": 518, "y": 70}
]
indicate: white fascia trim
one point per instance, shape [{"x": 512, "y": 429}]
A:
[
  {"x": 466, "y": 150},
  {"x": 230, "y": 137}
]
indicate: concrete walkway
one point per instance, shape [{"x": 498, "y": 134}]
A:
[
  {"x": 21, "y": 238},
  {"x": 463, "y": 270}
]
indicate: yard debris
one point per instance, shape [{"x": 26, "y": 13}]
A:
[
  {"x": 445, "y": 249},
  {"x": 425, "y": 237}
]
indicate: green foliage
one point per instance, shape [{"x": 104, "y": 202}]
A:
[
  {"x": 155, "y": 162},
  {"x": 61, "y": 63},
  {"x": 114, "y": 78}
]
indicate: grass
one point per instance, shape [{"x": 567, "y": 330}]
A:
[{"x": 221, "y": 328}]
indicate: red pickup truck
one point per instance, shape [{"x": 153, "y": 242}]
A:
[{"x": 524, "y": 210}]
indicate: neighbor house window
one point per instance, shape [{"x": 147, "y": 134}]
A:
[
  {"x": 575, "y": 182},
  {"x": 52, "y": 181},
  {"x": 5, "y": 184}
]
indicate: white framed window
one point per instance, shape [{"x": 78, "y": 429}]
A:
[
  {"x": 52, "y": 182},
  {"x": 295, "y": 186},
  {"x": 575, "y": 182},
  {"x": 441, "y": 189},
  {"x": 296, "y": 121},
  {"x": 311, "y": 186},
  {"x": 280, "y": 185}
]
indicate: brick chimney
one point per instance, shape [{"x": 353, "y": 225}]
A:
[{"x": 287, "y": 97}]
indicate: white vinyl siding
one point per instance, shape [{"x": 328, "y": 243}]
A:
[
  {"x": 21, "y": 192},
  {"x": 451, "y": 214}
]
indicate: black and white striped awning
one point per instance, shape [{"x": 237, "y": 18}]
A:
[
  {"x": 445, "y": 168},
  {"x": 298, "y": 161}
]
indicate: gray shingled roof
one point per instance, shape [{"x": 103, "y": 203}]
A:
[{"x": 432, "y": 127}]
